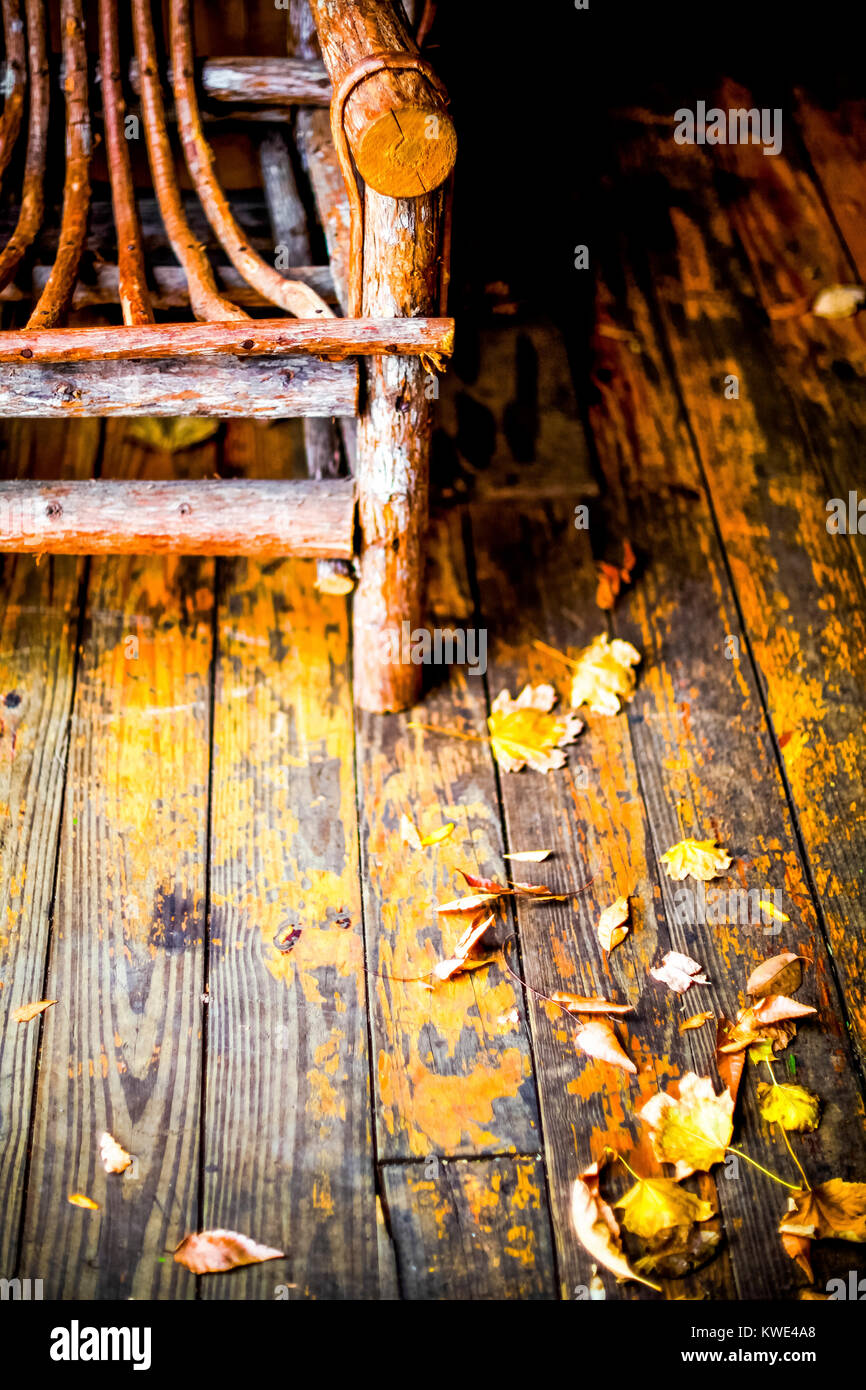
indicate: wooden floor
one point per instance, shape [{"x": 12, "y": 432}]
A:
[{"x": 182, "y": 779}]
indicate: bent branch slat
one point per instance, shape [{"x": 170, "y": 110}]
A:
[
  {"x": 132, "y": 280},
  {"x": 206, "y": 301},
  {"x": 54, "y": 300},
  {"x": 32, "y": 197},
  {"x": 294, "y": 297},
  {"x": 206, "y": 517},
  {"x": 15, "y": 77}
]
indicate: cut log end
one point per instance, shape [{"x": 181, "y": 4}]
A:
[{"x": 407, "y": 153}]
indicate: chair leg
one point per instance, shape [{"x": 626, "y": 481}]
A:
[
  {"x": 392, "y": 469},
  {"x": 402, "y": 265}
]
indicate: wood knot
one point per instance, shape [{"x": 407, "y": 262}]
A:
[
  {"x": 54, "y": 509},
  {"x": 248, "y": 344},
  {"x": 26, "y": 352},
  {"x": 184, "y": 509}
]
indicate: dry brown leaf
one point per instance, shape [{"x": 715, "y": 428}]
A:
[
  {"x": 692, "y": 1131},
  {"x": 27, "y": 1012},
  {"x": 700, "y": 859},
  {"x": 583, "y": 1004},
  {"x": 678, "y": 972},
  {"x": 78, "y": 1199},
  {"x": 460, "y": 960},
  {"x": 214, "y": 1252},
  {"x": 777, "y": 1008},
  {"x": 524, "y": 732},
  {"x": 695, "y": 1021},
  {"x": 612, "y": 577},
  {"x": 597, "y": 1039},
  {"x": 114, "y": 1157},
  {"x": 675, "y": 1253},
  {"x": 612, "y": 925},
  {"x": 782, "y": 974},
  {"x": 833, "y": 1210},
  {"x": 604, "y": 674},
  {"x": 596, "y": 1227}
]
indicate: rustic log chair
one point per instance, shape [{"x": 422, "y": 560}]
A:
[{"x": 380, "y": 176}]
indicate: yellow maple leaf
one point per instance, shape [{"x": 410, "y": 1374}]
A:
[
  {"x": 833, "y": 1210},
  {"x": 603, "y": 674},
  {"x": 693, "y": 1131},
  {"x": 612, "y": 925},
  {"x": 792, "y": 1107},
  {"x": 523, "y": 731},
  {"x": 702, "y": 859},
  {"x": 171, "y": 434},
  {"x": 655, "y": 1204}
]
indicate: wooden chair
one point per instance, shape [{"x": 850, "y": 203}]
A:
[{"x": 380, "y": 172}]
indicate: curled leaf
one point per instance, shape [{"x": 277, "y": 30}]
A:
[
  {"x": 792, "y": 1107},
  {"x": 730, "y": 1065},
  {"x": 523, "y": 731},
  {"x": 678, "y": 972},
  {"x": 411, "y": 837},
  {"x": 460, "y": 960},
  {"x": 695, "y": 1021},
  {"x": 782, "y": 974},
  {"x": 214, "y": 1252},
  {"x": 692, "y": 1131},
  {"x": 700, "y": 859},
  {"x": 612, "y": 928},
  {"x": 604, "y": 674},
  {"x": 27, "y": 1012},
  {"x": 799, "y": 1248},
  {"x": 114, "y": 1157},
  {"x": 596, "y": 1227},
  {"x": 583, "y": 1004},
  {"x": 597, "y": 1039},
  {"x": 833, "y": 1210}
]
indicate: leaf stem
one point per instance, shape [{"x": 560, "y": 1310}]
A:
[
  {"x": 731, "y": 1150},
  {"x": 451, "y": 733},
  {"x": 551, "y": 651}
]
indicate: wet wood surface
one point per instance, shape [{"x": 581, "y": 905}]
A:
[{"x": 170, "y": 820}]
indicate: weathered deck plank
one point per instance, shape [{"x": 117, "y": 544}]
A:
[
  {"x": 453, "y": 1071},
  {"x": 708, "y": 769},
  {"x": 38, "y": 626},
  {"x": 121, "y": 1049},
  {"x": 798, "y": 590},
  {"x": 287, "y": 1132},
  {"x": 471, "y": 1230}
]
